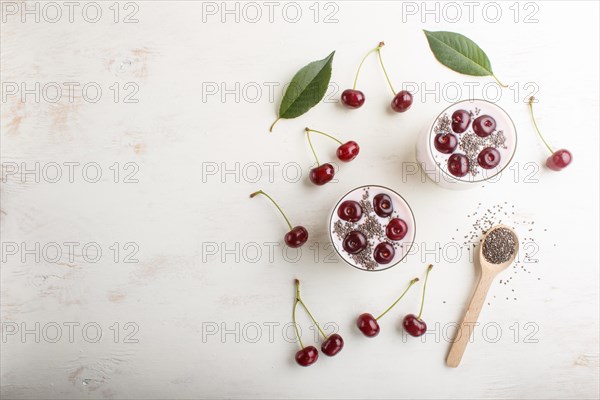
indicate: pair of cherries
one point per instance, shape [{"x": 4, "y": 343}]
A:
[
  {"x": 413, "y": 324},
  {"x": 323, "y": 173},
  {"x": 353, "y": 98},
  {"x": 308, "y": 355}
]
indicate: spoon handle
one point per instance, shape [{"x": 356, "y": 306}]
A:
[{"x": 468, "y": 323}]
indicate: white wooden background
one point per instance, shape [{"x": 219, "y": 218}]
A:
[{"x": 193, "y": 316}]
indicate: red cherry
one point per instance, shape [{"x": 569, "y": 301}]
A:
[
  {"x": 414, "y": 326},
  {"x": 402, "y": 101},
  {"x": 458, "y": 165},
  {"x": 445, "y": 142},
  {"x": 322, "y": 174},
  {"x": 296, "y": 237},
  {"x": 348, "y": 151},
  {"x": 384, "y": 253},
  {"x": 559, "y": 160},
  {"x": 488, "y": 158},
  {"x": 332, "y": 345},
  {"x": 460, "y": 121},
  {"x": 353, "y": 98},
  {"x": 350, "y": 211},
  {"x": 354, "y": 242},
  {"x": 307, "y": 356},
  {"x": 367, "y": 325},
  {"x": 396, "y": 229},
  {"x": 382, "y": 205},
  {"x": 484, "y": 125}
]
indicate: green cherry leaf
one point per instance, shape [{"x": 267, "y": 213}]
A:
[
  {"x": 460, "y": 54},
  {"x": 306, "y": 89}
]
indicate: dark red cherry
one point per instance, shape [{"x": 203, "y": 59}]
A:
[
  {"x": 367, "y": 325},
  {"x": 382, "y": 205},
  {"x": 353, "y": 98},
  {"x": 296, "y": 237},
  {"x": 559, "y": 160},
  {"x": 484, "y": 125},
  {"x": 414, "y": 326},
  {"x": 402, "y": 101},
  {"x": 307, "y": 356},
  {"x": 488, "y": 158},
  {"x": 460, "y": 121},
  {"x": 332, "y": 345},
  {"x": 396, "y": 229},
  {"x": 322, "y": 174},
  {"x": 458, "y": 165},
  {"x": 350, "y": 211},
  {"x": 384, "y": 253},
  {"x": 445, "y": 142},
  {"x": 354, "y": 242},
  {"x": 348, "y": 151}
]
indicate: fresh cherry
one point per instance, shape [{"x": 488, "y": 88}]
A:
[
  {"x": 488, "y": 158},
  {"x": 322, "y": 174},
  {"x": 348, "y": 151},
  {"x": 382, "y": 205},
  {"x": 458, "y": 165},
  {"x": 354, "y": 242},
  {"x": 402, "y": 101},
  {"x": 353, "y": 98},
  {"x": 559, "y": 160},
  {"x": 368, "y": 324},
  {"x": 484, "y": 125},
  {"x": 384, "y": 253},
  {"x": 307, "y": 356},
  {"x": 445, "y": 142},
  {"x": 332, "y": 345},
  {"x": 413, "y": 324},
  {"x": 460, "y": 121},
  {"x": 297, "y": 235},
  {"x": 350, "y": 211},
  {"x": 396, "y": 229}
]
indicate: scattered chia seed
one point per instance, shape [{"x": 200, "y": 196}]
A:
[{"x": 499, "y": 246}]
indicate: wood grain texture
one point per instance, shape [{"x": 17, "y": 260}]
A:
[{"x": 196, "y": 302}]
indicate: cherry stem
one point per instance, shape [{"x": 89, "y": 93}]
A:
[
  {"x": 311, "y": 147},
  {"x": 424, "y": 288},
  {"x": 324, "y": 134},
  {"x": 276, "y": 205},
  {"x": 362, "y": 61},
  {"x": 299, "y": 299},
  {"x": 499, "y": 83},
  {"x": 383, "y": 67},
  {"x": 531, "y": 99},
  {"x": 399, "y": 298},
  {"x": 273, "y": 124},
  {"x": 294, "y": 312}
]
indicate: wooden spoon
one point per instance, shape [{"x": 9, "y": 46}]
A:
[{"x": 488, "y": 273}]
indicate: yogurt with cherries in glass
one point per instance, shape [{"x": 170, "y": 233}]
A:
[
  {"x": 372, "y": 228},
  {"x": 467, "y": 144}
]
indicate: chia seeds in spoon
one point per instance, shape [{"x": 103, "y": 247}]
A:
[{"x": 499, "y": 246}]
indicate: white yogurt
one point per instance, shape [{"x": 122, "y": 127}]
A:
[
  {"x": 435, "y": 163},
  {"x": 401, "y": 210}
]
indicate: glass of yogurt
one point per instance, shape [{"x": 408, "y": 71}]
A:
[
  {"x": 372, "y": 228},
  {"x": 467, "y": 144}
]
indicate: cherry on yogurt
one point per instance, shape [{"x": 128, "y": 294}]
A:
[
  {"x": 445, "y": 142},
  {"x": 354, "y": 242},
  {"x": 382, "y": 205},
  {"x": 458, "y": 165},
  {"x": 484, "y": 125},
  {"x": 460, "y": 121},
  {"x": 384, "y": 253},
  {"x": 396, "y": 229},
  {"x": 350, "y": 211},
  {"x": 488, "y": 158}
]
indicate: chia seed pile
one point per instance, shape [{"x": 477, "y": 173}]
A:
[
  {"x": 499, "y": 246},
  {"x": 469, "y": 142},
  {"x": 369, "y": 226}
]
